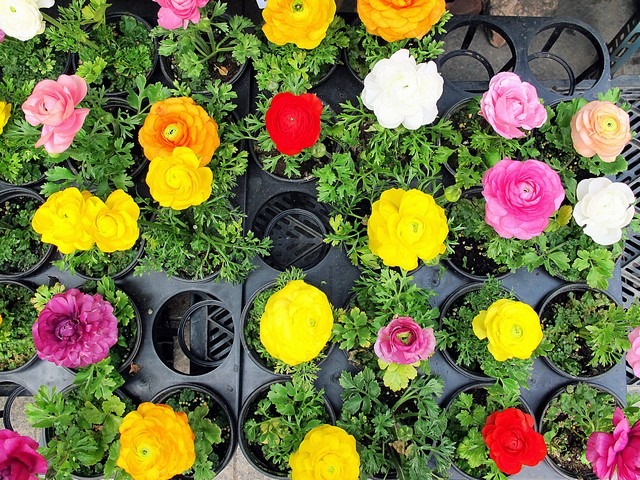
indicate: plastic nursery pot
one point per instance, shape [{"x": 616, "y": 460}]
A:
[
  {"x": 116, "y": 264},
  {"x": 18, "y": 316},
  {"x": 13, "y": 410},
  {"x": 459, "y": 117}
]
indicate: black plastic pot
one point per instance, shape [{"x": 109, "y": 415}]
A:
[
  {"x": 14, "y": 283},
  {"x": 117, "y": 274},
  {"x": 16, "y": 391}
]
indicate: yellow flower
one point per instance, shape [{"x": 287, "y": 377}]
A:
[
  {"x": 296, "y": 323},
  {"x": 5, "y": 113},
  {"x": 405, "y": 226},
  {"x": 512, "y": 327},
  {"x": 178, "y": 181},
  {"x": 303, "y": 22},
  {"x": 114, "y": 223},
  {"x": 326, "y": 453},
  {"x": 156, "y": 443},
  {"x": 60, "y": 220},
  {"x": 0, "y": 319}
]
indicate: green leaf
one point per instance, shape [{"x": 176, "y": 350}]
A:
[{"x": 397, "y": 376}]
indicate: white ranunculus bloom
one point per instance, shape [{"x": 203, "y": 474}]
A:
[
  {"x": 604, "y": 208},
  {"x": 399, "y": 91},
  {"x": 22, "y": 19}
]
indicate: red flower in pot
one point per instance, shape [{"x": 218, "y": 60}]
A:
[{"x": 293, "y": 121}]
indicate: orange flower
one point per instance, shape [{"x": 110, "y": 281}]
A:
[
  {"x": 179, "y": 122},
  {"x": 394, "y": 20}
]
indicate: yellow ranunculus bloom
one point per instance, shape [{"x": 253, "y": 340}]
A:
[
  {"x": 5, "y": 113},
  {"x": 156, "y": 443},
  {"x": 296, "y": 323},
  {"x": 405, "y": 226},
  {"x": 303, "y": 22},
  {"x": 326, "y": 453},
  {"x": 178, "y": 181},
  {"x": 114, "y": 223},
  {"x": 512, "y": 328},
  {"x": 60, "y": 220}
]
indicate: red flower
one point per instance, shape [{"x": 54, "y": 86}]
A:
[
  {"x": 293, "y": 121},
  {"x": 512, "y": 441}
]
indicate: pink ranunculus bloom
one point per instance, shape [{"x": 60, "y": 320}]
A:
[
  {"x": 178, "y": 13},
  {"x": 633, "y": 355},
  {"x": 520, "y": 197},
  {"x": 511, "y": 105},
  {"x": 19, "y": 459},
  {"x": 58, "y": 139},
  {"x": 75, "y": 329},
  {"x": 617, "y": 454},
  {"x": 1, "y": 36},
  {"x": 404, "y": 341}
]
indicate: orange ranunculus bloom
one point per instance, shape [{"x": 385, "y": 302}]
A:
[
  {"x": 395, "y": 20},
  {"x": 303, "y": 22},
  {"x": 156, "y": 443},
  {"x": 179, "y": 122}
]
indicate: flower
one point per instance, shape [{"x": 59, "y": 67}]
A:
[
  {"x": 75, "y": 329},
  {"x": 2, "y": 34},
  {"x": 179, "y": 122},
  {"x": 512, "y": 327},
  {"x": 633, "y": 355},
  {"x": 19, "y": 459},
  {"x": 617, "y": 454},
  {"x": 22, "y": 19},
  {"x": 326, "y": 452},
  {"x": 5, "y": 113},
  {"x": 401, "y": 92},
  {"x": 395, "y": 20},
  {"x": 303, "y": 22},
  {"x": 293, "y": 121},
  {"x": 511, "y": 105},
  {"x": 600, "y": 128},
  {"x": 179, "y": 180},
  {"x": 156, "y": 443},
  {"x": 404, "y": 341},
  {"x": 114, "y": 223},
  {"x": 296, "y": 323},
  {"x": 520, "y": 197},
  {"x": 60, "y": 220},
  {"x": 405, "y": 226},
  {"x": 178, "y": 13},
  {"x": 604, "y": 208},
  {"x": 512, "y": 441}
]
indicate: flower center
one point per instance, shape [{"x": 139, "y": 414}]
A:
[
  {"x": 514, "y": 444},
  {"x": 13, "y": 9},
  {"x": 516, "y": 331},
  {"x": 68, "y": 330},
  {"x": 297, "y": 6},
  {"x": 5, "y": 473},
  {"x": 171, "y": 131},
  {"x": 411, "y": 230},
  {"x": 609, "y": 124},
  {"x": 405, "y": 337}
]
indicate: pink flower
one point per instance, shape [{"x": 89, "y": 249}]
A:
[
  {"x": 404, "y": 341},
  {"x": 617, "y": 454},
  {"x": 19, "y": 459},
  {"x": 521, "y": 196},
  {"x": 75, "y": 329},
  {"x": 1, "y": 36},
  {"x": 177, "y": 13},
  {"x": 633, "y": 355},
  {"x": 511, "y": 104}
]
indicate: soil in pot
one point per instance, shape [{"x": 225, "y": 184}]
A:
[{"x": 18, "y": 316}]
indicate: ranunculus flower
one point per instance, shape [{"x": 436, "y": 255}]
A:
[
  {"x": 293, "y": 121},
  {"x": 19, "y": 459},
  {"x": 60, "y": 220},
  {"x": 512, "y": 328},
  {"x": 75, "y": 329},
  {"x": 114, "y": 223},
  {"x": 633, "y": 355},
  {"x": 296, "y": 323},
  {"x": 178, "y": 13},
  {"x": 401, "y": 92},
  {"x": 512, "y": 441},
  {"x": 156, "y": 443},
  {"x": 521, "y": 197},
  {"x": 303, "y": 22},
  {"x": 1, "y": 36},
  {"x": 179, "y": 181},
  {"x": 404, "y": 341},
  {"x": 600, "y": 128},
  {"x": 179, "y": 122},
  {"x": 395, "y": 20},
  {"x": 511, "y": 105},
  {"x": 5, "y": 113},
  {"x": 405, "y": 226},
  {"x": 617, "y": 454},
  {"x": 22, "y": 19},
  {"x": 327, "y": 452},
  {"x": 604, "y": 208}
]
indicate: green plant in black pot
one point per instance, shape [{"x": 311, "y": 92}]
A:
[{"x": 18, "y": 316}]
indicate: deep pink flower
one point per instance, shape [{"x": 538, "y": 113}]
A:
[
  {"x": 521, "y": 196},
  {"x": 617, "y": 454},
  {"x": 75, "y": 329},
  {"x": 511, "y": 105},
  {"x": 633, "y": 355},
  {"x": 178, "y": 13},
  {"x": 19, "y": 459},
  {"x": 404, "y": 341}
]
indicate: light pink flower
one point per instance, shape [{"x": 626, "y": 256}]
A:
[
  {"x": 633, "y": 355},
  {"x": 19, "y": 459},
  {"x": 178, "y": 13},
  {"x": 58, "y": 139},
  {"x": 404, "y": 341},
  {"x": 1, "y": 36},
  {"x": 617, "y": 454},
  {"x": 521, "y": 196},
  {"x": 511, "y": 105}
]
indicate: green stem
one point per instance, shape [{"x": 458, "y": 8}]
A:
[{"x": 59, "y": 26}]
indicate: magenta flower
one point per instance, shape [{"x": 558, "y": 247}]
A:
[
  {"x": 75, "y": 329},
  {"x": 521, "y": 196},
  {"x": 633, "y": 355},
  {"x": 19, "y": 459},
  {"x": 178, "y": 13},
  {"x": 404, "y": 341},
  {"x": 511, "y": 105},
  {"x": 617, "y": 454}
]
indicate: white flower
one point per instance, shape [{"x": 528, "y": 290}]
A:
[
  {"x": 604, "y": 208},
  {"x": 401, "y": 92},
  {"x": 22, "y": 19}
]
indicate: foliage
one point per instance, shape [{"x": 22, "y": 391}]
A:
[
  {"x": 31, "y": 60},
  {"x": 16, "y": 341},
  {"x": 96, "y": 263},
  {"x": 20, "y": 246}
]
